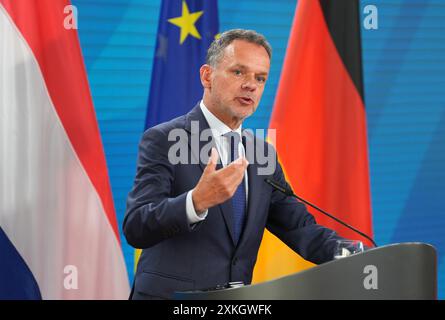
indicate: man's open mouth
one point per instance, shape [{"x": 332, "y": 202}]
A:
[{"x": 245, "y": 100}]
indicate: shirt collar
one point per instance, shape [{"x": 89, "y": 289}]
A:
[{"x": 215, "y": 124}]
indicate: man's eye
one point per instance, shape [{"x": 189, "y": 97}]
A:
[
  {"x": 261, "y": 79},
  {"x": 237, "y": 72}
]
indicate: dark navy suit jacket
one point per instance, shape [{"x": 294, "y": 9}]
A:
[{"x": 180, "y": 257}]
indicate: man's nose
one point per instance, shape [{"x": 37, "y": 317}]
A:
[{"x": 249, "y": 84}]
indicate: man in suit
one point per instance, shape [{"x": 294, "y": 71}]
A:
[{"x": 200, "y": 222}]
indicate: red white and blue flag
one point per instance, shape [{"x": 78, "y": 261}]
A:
[{"x": 58, "y": 231}]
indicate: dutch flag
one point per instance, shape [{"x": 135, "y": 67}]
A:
[{"x": 58, "y": 237}]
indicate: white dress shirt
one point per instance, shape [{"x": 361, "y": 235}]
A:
[{"x": 219, "y": 129}]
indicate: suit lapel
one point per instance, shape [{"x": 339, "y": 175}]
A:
[{"x": 197, "y": 115}]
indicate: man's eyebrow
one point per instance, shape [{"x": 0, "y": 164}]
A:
[
  {"x": 238, "y": 65},
  {"x": 242, "y": 66}
]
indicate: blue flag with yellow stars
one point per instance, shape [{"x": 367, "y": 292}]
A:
[{"x": 186, "y": 29}]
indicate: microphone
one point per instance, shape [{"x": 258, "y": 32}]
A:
[{"x": 290, "y": 193}]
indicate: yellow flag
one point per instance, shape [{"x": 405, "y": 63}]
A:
[{"x": 275, "y": 260}]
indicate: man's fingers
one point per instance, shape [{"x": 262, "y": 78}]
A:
[
  {"x": 245, "y": 163},
  {"x": 213, "y": 160},
  {"x": 239, "y": 164},
  {"x": 234, "y": 172}
]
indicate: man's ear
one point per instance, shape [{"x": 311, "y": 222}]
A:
[{"x": 205, "y": 73}]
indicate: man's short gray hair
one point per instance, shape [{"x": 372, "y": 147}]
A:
[{"x": 216, "y": 49}]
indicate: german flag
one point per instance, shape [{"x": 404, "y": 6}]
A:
[{"x": 320, "y": 121}]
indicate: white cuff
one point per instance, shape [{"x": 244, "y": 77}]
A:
[{"x": 192, "y": 216}]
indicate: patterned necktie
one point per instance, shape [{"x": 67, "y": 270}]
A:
[{"x": 239, "y": 198}]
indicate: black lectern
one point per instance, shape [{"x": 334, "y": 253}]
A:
[{"x": 397, "y": 271}]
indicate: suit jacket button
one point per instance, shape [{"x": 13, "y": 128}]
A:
[{"x": 235, "y": 260}]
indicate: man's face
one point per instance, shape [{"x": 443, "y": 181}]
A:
[{"x": 236, "y": 84}]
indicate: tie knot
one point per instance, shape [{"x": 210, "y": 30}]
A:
[{"x": 233, "y": 137}]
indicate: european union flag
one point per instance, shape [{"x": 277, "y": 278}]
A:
[{"x": 186, "y": 29}]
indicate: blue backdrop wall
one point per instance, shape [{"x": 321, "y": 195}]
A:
[{"x": 404, "y": 65}]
